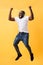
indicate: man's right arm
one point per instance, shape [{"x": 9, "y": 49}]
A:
[{"x": 10, "y": 16}]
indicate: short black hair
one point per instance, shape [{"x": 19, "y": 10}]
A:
[{"x": 23, "y": 12}]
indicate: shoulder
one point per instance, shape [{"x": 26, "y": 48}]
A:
[
  {"x": 16, "y": 18},
  {"x": 26, "y": 17}
]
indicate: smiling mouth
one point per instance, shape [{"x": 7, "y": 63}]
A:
[{"x": 20, "y": 15}]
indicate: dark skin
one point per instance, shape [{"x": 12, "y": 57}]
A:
[{"x": 21, "y": 14}]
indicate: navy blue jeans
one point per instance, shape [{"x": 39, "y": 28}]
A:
[{"x": 21, "y": 36}]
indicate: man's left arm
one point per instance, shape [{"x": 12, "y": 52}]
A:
[{"x": 31, "y": 14}]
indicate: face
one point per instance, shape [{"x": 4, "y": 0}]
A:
[{"x": 21, "y": 14}]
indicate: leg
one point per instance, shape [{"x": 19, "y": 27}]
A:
[
  {"x": 30, "y": 51},
  {"x": 16, "y": 41},
  {"x": 25, "y": 40}
]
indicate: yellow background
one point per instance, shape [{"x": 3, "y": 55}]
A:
[{"x": 8, "y": 31}]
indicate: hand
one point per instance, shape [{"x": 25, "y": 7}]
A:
[
  {"x": 11, "y": 9},
  {"x": 29, "y": 7}
]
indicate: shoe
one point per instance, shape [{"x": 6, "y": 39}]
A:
[
  {"x": 32, "y": 57},
  {"x": 18, "y": 56}
]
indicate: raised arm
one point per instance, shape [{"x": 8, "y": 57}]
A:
[
  {"x": 10, "y": 16},
  {"x": 31, "y": 14}
]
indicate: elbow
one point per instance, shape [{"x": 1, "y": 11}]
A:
[
  {"x": 9, "y": 19},
  {"x": 32, "y": 18}
]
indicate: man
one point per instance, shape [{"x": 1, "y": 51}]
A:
[{"x": 23, "y": 34}]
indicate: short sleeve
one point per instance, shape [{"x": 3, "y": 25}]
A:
[
  {"x": 27, "y": 18},
  {"x": 16, "y": 19}
]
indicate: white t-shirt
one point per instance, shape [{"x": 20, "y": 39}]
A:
[{"x": 22, "y": 23}]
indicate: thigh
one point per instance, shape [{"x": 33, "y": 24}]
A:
[
  {"x": 17, "y": 39},
  {"x": 26, "y": 39}
]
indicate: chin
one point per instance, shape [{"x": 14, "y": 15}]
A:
[{"x": 20, "y": 17}]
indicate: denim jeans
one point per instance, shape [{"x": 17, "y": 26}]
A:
[{"x": 21, "y": 36}]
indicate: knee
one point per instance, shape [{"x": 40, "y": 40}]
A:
[
  {"x": 26, "y": 45},
  {"x": 14, "y": 44}
]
